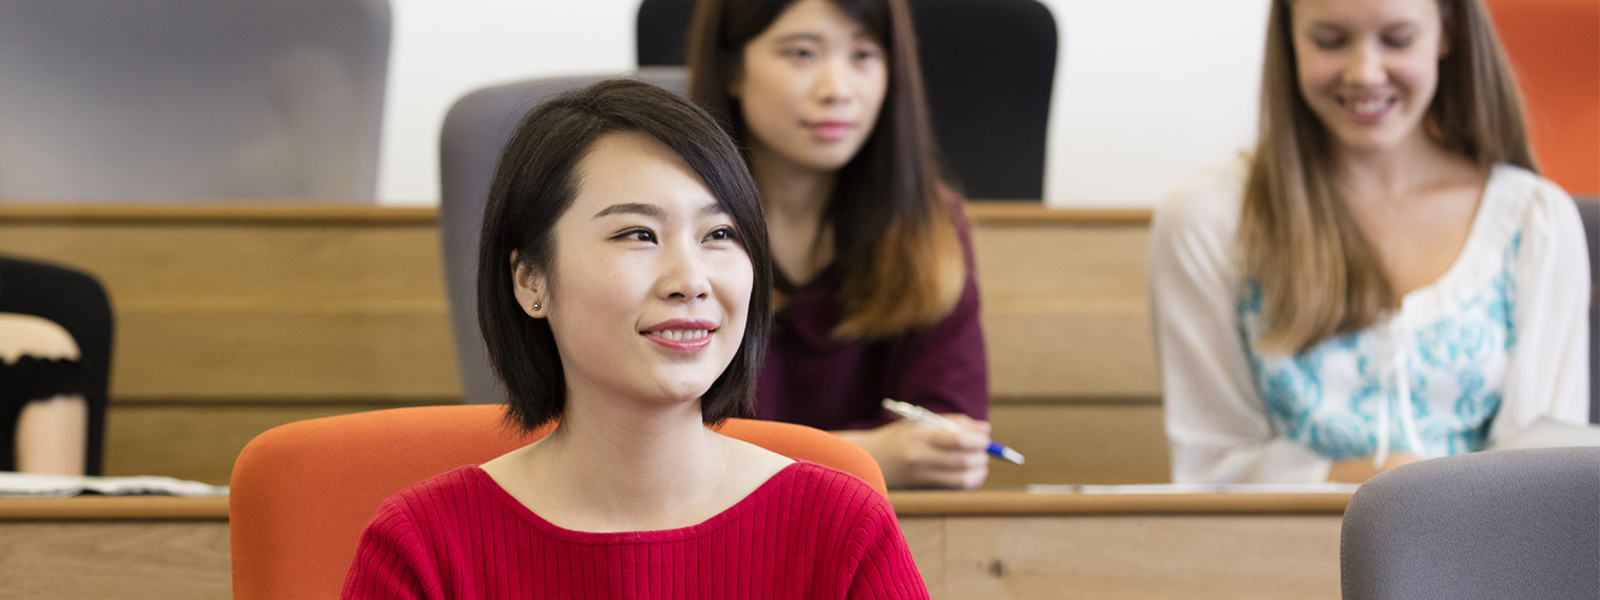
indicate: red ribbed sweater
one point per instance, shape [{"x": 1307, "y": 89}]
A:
[{"x": 808, "y": 532}]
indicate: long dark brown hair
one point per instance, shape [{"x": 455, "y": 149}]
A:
[
  {"x": 893, "y": 235},
  {"x": 1320, "y": 276}
]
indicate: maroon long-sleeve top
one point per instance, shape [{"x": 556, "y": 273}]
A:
[
  {"x": 812, "y": 379},
  {"x": 808, "y": 532}
]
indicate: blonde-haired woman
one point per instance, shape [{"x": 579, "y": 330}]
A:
[{"x": 1386, "y": 278}]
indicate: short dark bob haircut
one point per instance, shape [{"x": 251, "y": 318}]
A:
[{"x": 536, "y": 182}]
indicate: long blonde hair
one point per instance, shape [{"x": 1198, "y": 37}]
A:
[{"x": 1319, "y": 274}]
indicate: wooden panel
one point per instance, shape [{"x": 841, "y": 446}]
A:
[
  {"x": 221, "y": 267},
  {"x": 1061, "y": 261},
  {"x": 1080, "y": 443},
  {"x": 198, "y": 441},
  {"x": 925, "y": 538},
  {"x": 1098, "y": 354},
  {"x": 1143, "y": 557},
  {"x": 156, "y": 560},
  {"x": 282, "y": 356}
]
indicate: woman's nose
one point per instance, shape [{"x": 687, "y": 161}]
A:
[
  {"x": 1364, "y": 65},
  {"x": 833, "y": 85},
  {"x": 685, "y": 275}
]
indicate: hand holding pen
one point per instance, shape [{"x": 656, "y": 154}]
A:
[{"x": 923, "y": 416}]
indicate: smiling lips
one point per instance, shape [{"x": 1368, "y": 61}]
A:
[
  {"x": 830, "y": 130},
  {"x": 1368, "y": 110},
  {"x": 682, "y": 334}
]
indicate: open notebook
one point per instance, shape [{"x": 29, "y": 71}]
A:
[{"x": 33, "y": 485}]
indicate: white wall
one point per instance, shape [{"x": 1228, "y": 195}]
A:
[{"x": 1145, "y": 92}]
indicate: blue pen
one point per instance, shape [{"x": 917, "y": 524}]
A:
[{"x": 923, "y": 416}]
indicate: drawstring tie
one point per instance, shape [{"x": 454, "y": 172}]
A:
[{"x": 1400, "y": 338}]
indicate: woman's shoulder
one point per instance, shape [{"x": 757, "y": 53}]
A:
[
  {"x": 1539, "y": 205},
  {"x": 449, "y": 493},
  {"x": 825, "y": 486},
  {"x": 1202, "y": 210}
]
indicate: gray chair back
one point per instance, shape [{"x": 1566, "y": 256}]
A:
[
  {"x": 1589, "y": 209},
  {"x": 1497, "y": 525},
  {"x": 187, "y": 99},
  {"x": 475, "y": 131}
]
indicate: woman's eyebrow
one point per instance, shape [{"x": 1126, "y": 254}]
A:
[
  {"x": 800, "y": 37},
  {"x": 714, "y": 209},
  {"x": 648, "y": 210}
]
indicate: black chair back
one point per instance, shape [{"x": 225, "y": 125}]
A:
[
  {"x": 988, "y": 66},
  {"x": 77, "y": 302}
]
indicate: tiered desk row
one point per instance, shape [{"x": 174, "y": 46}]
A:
[{"x": 233, "y": 319}]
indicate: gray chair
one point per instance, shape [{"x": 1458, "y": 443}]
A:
[
  {"x": 1589, "y": 209},
  {"x": 1497, "y": 525},
  {"x": 475, "y": 131},
  {"x": 189, "y": 99}
]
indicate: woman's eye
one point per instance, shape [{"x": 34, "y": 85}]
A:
[
  {"x": 639, "y": 235},
  {"x": 867, "y": 54},
  {"x": 721, "y": 233},
  {"x": 1398, "y": 42},
  {"x": 1327, "y": 43},
  {"x": 799, "y": 53}
]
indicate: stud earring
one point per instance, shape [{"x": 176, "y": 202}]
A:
[{"x": 536, "y": 306}]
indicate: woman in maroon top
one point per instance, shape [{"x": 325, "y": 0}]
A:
[
  {"x": 877, "y": 297},
  {"x": 624, "y": 287}
]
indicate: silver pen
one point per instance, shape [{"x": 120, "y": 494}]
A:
[{"x": 923, "y": 416}]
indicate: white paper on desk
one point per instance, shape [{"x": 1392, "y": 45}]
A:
[
  {"x": 30, "y": 484},
  {"x": 1199, "y": 488}
]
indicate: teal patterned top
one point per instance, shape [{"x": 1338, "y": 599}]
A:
[{"x": 1496, "y": 342}]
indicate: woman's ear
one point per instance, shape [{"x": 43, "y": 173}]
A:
[{"x": 529, "y": 287}]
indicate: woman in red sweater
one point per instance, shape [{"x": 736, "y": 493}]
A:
[{"x": 624, "y": 288}]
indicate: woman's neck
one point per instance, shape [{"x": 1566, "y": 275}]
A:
[
  {"x": 618, "y": 465},
  {"x": 1393, "y": 173},
  {"x": 795, "y": 200},
  {"x": 790, "y": 192}
]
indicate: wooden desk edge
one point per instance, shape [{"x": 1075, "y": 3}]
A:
[
  {"x": 906, "y": 504},
  {"x": 112, "y": 508},
  {"x": 266, "y": 211},
  {"x": 1018, "y": 502}
]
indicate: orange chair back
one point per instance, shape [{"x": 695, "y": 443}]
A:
[
  {"x": 301, "y": 493},
  {"x": 1555, "y": 47}
]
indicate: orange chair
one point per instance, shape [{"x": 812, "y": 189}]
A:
[
  {"x": 302, "y": 493},
  {"x": 1555, "y": 47}
]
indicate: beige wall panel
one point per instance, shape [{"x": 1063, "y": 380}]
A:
[
  {"x": 227, "y": 267},
  {"x": 925, "y": 538},
  {"x": 282, "y": 355},
  {"x": 1086, "y": 353},
  {"x": 127, "y": 560},
  {"x": 1060, "y": 261},
  {"x": 1143, "y": 557},
  {"x": 1080, "y": 443},
  {"x": 197, "y": 441}
]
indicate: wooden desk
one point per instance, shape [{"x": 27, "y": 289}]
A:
[
  {"x": 1001, "y": 545},
  {"x": 129, "y": 548},
  {"x": 992, "y": 545}
]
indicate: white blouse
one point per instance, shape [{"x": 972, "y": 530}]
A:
[{"x": 1497, "y": 341}]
